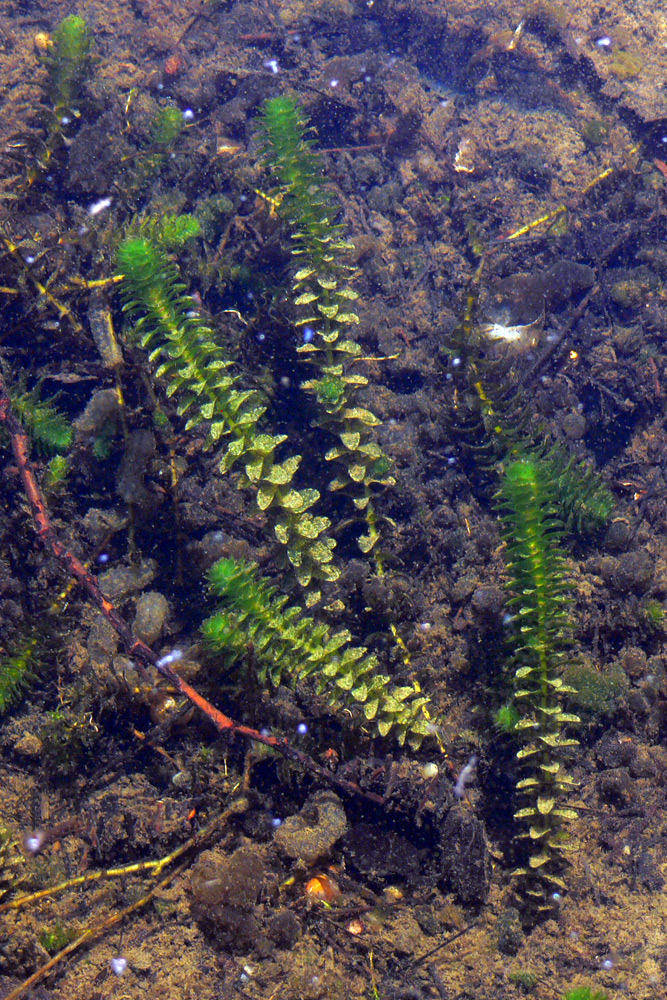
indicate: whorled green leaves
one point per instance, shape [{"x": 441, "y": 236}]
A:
[
  {"x": 289, "y": 646},
  {"x": 325, "y": 303},
  {"x": 541, "y": 605},
  {"x": 197, "y": 371}
]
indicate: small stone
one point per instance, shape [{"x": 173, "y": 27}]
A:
[
  {"x": 618, "y": 536},
  {"x": 633, "y": 661},
  {"x": 119, "y": 582},
  {"x": 509, "y": 931},
  {"x": 312, "y": 833},
  {"x": 488, "y": 602},
  {"x": 151, "y": 613},
  {"x": 574, "y": 426},
  {"x": 634, "y": 572}
]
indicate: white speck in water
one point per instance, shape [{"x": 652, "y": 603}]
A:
[
  {"x": 33, "y": 842},
  {"x": 100, "y": 206},
  {"x": 173, "y": 657}
]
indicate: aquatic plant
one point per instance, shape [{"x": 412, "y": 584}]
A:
[
  {"x": 168, "y": 231},
  {"x": 585, "y": 993},
  {"x": 197, "y": 370},
  {"x": 166, "y": 126},
  {"x": 67, "y": 60},
  {"x": 49, "y": 430},
  {"x": 17, "y": 672},
  {"x": 540, "y": 601},
  {"x": 66, "y": 56},
  {"x": 324, "y": 299},
  {"x": 289, "y": 646}
]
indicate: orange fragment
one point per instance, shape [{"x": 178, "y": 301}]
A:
[{"x": 323, "y": 888}]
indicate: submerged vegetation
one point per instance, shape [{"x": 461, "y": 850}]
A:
[
  {"x": 289, "y": 646},
  {"x": 543, "y": 635},
  {"x": 350, "y": 462}
]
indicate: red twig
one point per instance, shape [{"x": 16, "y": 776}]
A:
[{"x": 137, "y": 649}]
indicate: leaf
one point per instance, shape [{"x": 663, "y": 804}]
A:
[
  {"x": 329, "y": 312},
  {"x": 265, "y": 497},
  {"x": 306, "y": 299},
  {"x": 545, "y": 805},
  {"x": 526, "y": 813},
  {"x": 537, "y": 860}
]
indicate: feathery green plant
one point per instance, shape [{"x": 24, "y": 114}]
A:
[
  {"x": 324, "y": 300},
  {"x": 585, "y": 503},
  {"x": 170, "y": 231},
  {"x": 67, "y": 59},
  {"x": 290, "y": 646},
  {"x": 540, "y": 600},
  {"x": 17, "y": 672},
  {"x": 48, "y": 429},
  {"x": 196, "y": 368}
]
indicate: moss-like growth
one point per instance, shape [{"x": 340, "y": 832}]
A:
[
  {"x": 55, "y": 474},
  {"x": 625, "y": 64},
  {"x": 69, "y": 736},
  {"x": 540, "y": 600},
  {"x": 166, "y": 126},
  {"x": 325, "y": 303},
  {"x": 598, "y": 692},
  {"x": 170, "y": 231},
  {"x": 525, "y": 980},
  {"x": 197, "y": 370},
  {"x": 491, "y": 426},
  {"x": 288, "y": 647},
  {"x": 585, "y": 993},
  {"x": 58, "y": 937}
]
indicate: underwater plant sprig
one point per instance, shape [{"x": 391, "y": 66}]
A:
[
  {"x": 541, "y": 606},
  {"x": 289, "y": 646},
  {"x": 197, "y": 371},
  {"x": 325, "y": 304},
  {"x": 67, "y": 58},
  {"x": 136, "y": 648},
  {"x": 66, "y": 55}
]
